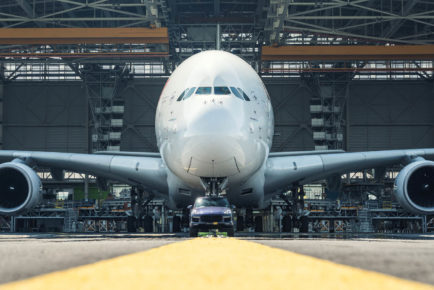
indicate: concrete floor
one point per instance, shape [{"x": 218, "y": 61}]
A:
[
  {"x": 22, "y": 256},
  {"x": 408, "y": 259}
]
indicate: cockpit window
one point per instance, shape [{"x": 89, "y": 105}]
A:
[
  {"x": 203, "y": 91},
  {"x": 237, "y": 93},
  {"x": 244, "y": 94},
  {"x": 182, "y": 95},
  {"x": 189, "y": 93},
  {"x": 221, "y": 91}
]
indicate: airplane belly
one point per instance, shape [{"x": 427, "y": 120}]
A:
[{"x": 212, "y": 168}]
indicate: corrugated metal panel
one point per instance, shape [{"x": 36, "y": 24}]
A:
[
  {"x": 391, "y": 115},
  {"x": 48, "y": 116},
  {"x": 382, "y": 115},
  {"x": 141, "y": 99}
]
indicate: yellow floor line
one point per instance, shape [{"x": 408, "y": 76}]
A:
[{"x": 215, "y": 264}]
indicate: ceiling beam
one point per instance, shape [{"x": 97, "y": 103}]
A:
[
  {"x": 83, "y": 35},
  {"x": 348, "y": 52}
]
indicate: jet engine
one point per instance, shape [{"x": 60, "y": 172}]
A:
[
  {"x": 20, "y": 188},
  {"x": 414, "y": 187}
]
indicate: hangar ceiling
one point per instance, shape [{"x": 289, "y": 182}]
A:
[
  {"x": 244, "y": 27},
  {"x": 317, "y": 98}
]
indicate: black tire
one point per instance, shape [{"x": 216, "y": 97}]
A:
[
  {"x": 258, "y": 224},
  {"x": 176, "y": 224},
  {"x": 193, "y": 232},
  {"x": 230, "y": 232},
  {"x": 304, "y": 224},
  {"x": 148, "y": 224},
  {"x": 332, "y": 226},
  {"x": 286, "y": 224},
  {"x": 240, "y": 223},
  {"x": 131, "y": 224}
]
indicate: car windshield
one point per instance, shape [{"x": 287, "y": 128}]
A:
[{"x": 211, "y": 201}]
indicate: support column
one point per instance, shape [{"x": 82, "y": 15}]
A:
[
  {"x": 218, "y": 37},
  {"x": 86, "y": 187},
  {"x": 13, "y": 224},
  {"x": 1, "y": 112}
]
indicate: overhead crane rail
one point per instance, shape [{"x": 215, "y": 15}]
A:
[{"x": 347, "y": 52}]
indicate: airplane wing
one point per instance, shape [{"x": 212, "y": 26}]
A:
[
  {"x": 129, "y": 153},
  {"x": 282, "y": 171},
  {"x": 146, "y": 170},
  {"x": 304, "y": 153}
]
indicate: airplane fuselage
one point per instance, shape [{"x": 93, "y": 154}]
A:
[{"x": 214, "y": 119}]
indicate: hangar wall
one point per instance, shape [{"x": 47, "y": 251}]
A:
[
  {"x": 141, "y": 99},
  {"x": 390, "y": 115},
  {"x": 53, "y": 116},
  {"x": 45, "y": 116}
]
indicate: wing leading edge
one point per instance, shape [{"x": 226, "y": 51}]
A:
[
  {"x": 149, "y": 172},
  {"x": 282, "y": 171}
]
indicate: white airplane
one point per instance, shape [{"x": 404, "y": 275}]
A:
[{"x": 214, "y": 128}]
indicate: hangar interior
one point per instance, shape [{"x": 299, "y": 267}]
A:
[{"x": 85, "y": 76}]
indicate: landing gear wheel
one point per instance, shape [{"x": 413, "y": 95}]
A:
[
  {"x": 193, "y": 232},
  {"x": 131, "y": 224},
  {"x": 304, "y": 224},
  {"x": 258, "y": 224},
  {"x": 176, "y": 224},
  {"x": 148, "y": 227},
  {"x": 286, "y": 224},
  {"x": 230, "y": 232},
  {"x": 240, "y": 223}
]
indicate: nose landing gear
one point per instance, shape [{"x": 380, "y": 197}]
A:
[{"x": 214, "y": 186}]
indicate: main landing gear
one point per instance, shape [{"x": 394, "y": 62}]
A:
[
  {"x": 140, "y": 216},
  {"x": 295, "y": 204}
]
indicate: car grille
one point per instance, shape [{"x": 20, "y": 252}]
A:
[{"x": 211, "y": 218}]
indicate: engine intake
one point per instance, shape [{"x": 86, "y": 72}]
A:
[
  {"x": 20, "y": 188},
  {"x": 414, "y": 187}
]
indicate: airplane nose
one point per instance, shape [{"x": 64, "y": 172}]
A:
[
  {"x": 213, "y": 144},
  {"x": 214, "y": 122}
]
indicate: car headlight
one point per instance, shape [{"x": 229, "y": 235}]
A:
[{"x": 228, "y": 211}]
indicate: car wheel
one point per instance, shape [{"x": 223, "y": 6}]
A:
[
  {"x": 193, "y": 232},
  {"x": 230, "y": 232},
  {"x": 176, "y": 224},
  {"x": 240, "y": 223}
]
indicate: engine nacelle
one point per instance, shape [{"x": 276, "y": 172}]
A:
[
  {"x": 414, "y": 187},
  {"x": 20, "y": 188}
]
